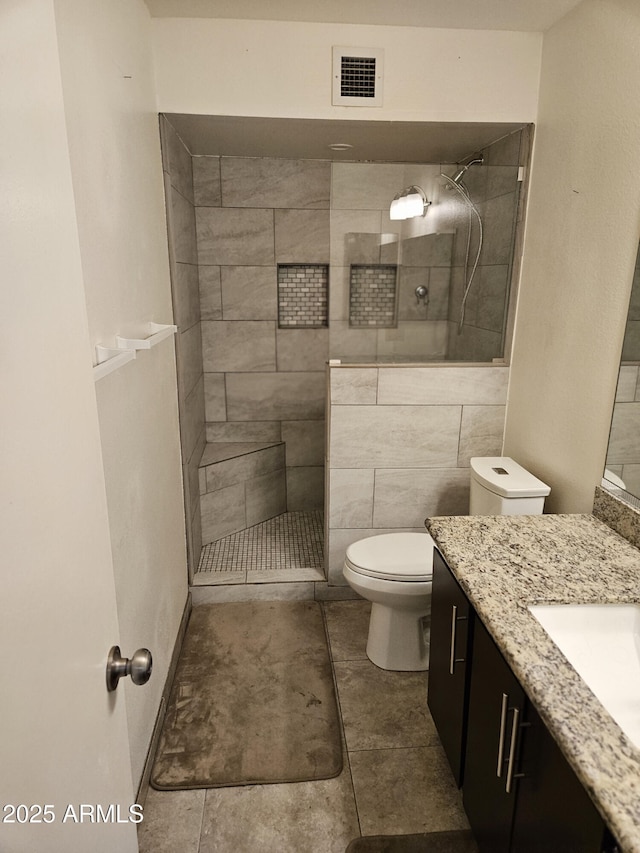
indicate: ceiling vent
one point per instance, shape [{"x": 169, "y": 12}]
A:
[{"x": 357, "y": 76}]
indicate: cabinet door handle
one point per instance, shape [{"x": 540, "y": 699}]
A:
[
  {"x": 453, "y": 660},
  {"x": 512, "y": 749},
  {"x": 503, "y": 726},
  {"x": 452, "y": 649}
]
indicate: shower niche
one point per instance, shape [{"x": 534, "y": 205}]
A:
[
  {"x": 303, "y": 296},
  {"x": 373, "y": 296}
]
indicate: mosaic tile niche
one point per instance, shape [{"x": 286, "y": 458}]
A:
[
  {"x": 303, "y": 296},
  {"x": 372, "y": 295}
]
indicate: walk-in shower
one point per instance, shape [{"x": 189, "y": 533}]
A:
[{"x": 285, "y": 258}]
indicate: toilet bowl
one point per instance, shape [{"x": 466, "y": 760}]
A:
[
  {"x": 393, "y": 572},
  {"x": 611, "y": 479}
]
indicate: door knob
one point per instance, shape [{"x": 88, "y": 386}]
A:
[{"x": 139, "y": 667}]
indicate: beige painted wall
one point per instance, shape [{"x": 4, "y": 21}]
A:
[
  {"x": 117, "y": 176},
  {"x": 283, "y": 69},
  {"x": 580, "y": 247}
]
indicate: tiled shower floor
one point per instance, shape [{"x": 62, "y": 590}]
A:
[{"x": 286, "y": 548}]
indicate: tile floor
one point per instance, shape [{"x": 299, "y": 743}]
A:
[
  {"x": 395, "y": 778},
  {"x": 288, "y": 547}
]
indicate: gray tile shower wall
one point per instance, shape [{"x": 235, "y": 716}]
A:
[
  {"x": 263, "y": 382},
  {"x": 275, "y": 183},
  {"x": 228, "y": 236},
  {"x": 400, "y": 440},
  {"x": 183, "y": 259}
]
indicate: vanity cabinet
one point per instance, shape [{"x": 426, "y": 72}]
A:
[
  {"x": 519, "y": 792},
  {"x": 451, "y": 633}
]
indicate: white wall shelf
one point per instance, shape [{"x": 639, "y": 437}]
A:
[
  {"x": 109, "y": 359},
  {"x": 157, "y": 332}
]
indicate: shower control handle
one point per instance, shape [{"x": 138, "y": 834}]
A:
[
  {"x": 139, "y": 667},
  {"x": 421, "y": 293}
]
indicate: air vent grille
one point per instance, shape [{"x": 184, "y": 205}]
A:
[{"x": 357, "y": 76}]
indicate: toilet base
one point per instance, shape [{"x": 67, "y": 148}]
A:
[{"x": 399, "y": 638}]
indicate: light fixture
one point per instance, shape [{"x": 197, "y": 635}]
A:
[{"x": 411, "y": 202}]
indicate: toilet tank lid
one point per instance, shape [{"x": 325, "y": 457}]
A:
[{"x": 504, "y": 477}]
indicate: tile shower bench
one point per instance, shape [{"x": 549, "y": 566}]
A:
[{"x": 241, "y": 484}]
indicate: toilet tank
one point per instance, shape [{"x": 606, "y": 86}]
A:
[{"x": 499, "y": 486}]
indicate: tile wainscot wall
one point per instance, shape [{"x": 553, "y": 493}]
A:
[{"x": 399, "y": 441}]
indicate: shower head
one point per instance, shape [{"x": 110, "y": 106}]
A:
[{"x": 460, "y": 174}]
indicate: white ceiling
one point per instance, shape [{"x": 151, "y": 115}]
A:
[{"x": 524, "y": 15}]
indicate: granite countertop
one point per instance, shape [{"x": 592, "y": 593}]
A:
[{"x": 506, "y": 563}]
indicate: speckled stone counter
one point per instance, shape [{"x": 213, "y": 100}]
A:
[{"x": 506, "y": 563}]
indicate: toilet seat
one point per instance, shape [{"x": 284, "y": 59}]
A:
[{"x": 393, "y": 556}]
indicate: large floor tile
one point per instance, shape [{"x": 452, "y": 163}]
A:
[
  {"x": 371, "y": 724},
  {"x": 172, "y": 822},
  {"x": 405, "y": 790},
  {"x": 291, "y": 818},
  {"x": 348, "y": 627}
]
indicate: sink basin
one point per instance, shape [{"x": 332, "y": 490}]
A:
[{"x": 602, "y": 643}]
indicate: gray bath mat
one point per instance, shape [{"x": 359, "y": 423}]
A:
[
  {"x": 253, "y": 700},
  {"x": 457, "y": 841}
]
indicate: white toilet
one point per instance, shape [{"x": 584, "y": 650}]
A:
[
  {"x": 393, "y": 570},
  {"x": 611, "y": 479}
]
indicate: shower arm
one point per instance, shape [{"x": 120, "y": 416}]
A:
[{"x": 458, "y": 176}]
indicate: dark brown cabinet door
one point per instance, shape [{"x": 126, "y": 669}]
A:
[
  {"x": 553, "y": 812},
  {"x": 451, "y": 628},
  {"x": 496, "y": 704}
]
